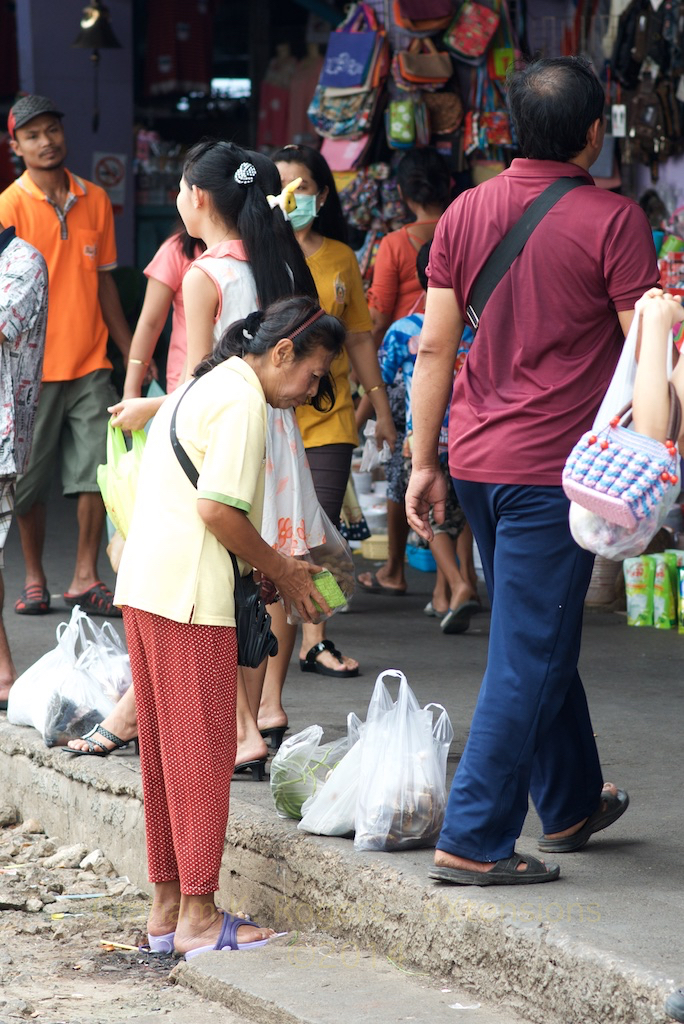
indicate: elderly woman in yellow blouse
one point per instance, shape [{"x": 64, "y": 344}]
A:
[{"x": 175, "y": 586}]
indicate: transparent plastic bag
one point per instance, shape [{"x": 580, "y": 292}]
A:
[
  {"x": 73, "y": 686},
  {"x": 78, "y": 704},
  {"x": 372, "y": 456},
  {"x": 612, "y": 541},
  {"x": 334, "y": 554},
  {"x": 402, "y": 798},
  {"x": 300, "y": 767},
  {"x": 332, "y": 810}
]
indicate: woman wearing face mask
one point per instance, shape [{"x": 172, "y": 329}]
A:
[{"x": 329, "y": 437}]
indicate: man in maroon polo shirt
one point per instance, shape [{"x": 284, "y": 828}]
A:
[{"x": 547, "y": 344}]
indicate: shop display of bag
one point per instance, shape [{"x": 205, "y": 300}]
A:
[
  {"x": 471, "y": 32},
  {"x": 423, "y": 16},
  {"x": 504, "y": 48},
  {"x": 349, "y": 116},
  {"x": 345, "y": 154},
  {"x": 406, "y": 124},
  {"x": 445, "y": 111},
  {"x": 422, "y": 65},
  {"x": 349, "y": 110},
  {"x": 487, "y": 126}
]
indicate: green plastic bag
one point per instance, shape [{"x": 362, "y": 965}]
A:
[{"x": 118, "y": 479}]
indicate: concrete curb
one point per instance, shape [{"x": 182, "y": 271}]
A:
[{"x": 494, "y": 941}]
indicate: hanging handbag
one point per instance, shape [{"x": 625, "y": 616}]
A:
[
  {"x": 621, "y": 476},
  {"x": 424, "y": 65},
  {"x": 470, "y": 33},
  {"x": 255, "y": 641},
  {"x": 421, "y": 17}
]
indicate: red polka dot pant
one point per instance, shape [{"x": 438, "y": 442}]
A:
[{"x": 185, "y": 679}]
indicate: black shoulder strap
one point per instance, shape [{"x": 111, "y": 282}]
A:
[
  {"x": 193, "y": 476},
  {"x": 186, "y": 462},
  {"x": 512, "y": 244}
]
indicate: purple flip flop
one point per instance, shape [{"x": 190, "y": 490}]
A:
[{"x": 228, "y": 937}]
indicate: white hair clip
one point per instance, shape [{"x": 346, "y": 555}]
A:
[
  {"x": 247, "y": 335},
  {"x": 245, "y": 174}
]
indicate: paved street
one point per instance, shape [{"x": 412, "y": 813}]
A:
[{"x": 623, "y": 896}]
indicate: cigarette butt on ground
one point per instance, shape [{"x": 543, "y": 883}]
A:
[{"x": 118, "y": 945}]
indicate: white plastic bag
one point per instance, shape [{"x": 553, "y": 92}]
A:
[
  {"x": 332, "y": 810},
  {"x": 371, "y": 456},
  {"x": 75, "y": 685},
  {"x": 300, "y": 767},
  {"x": 616, "y": 542},
  {"x": 621, "y": 388},
  {"x": 402, "y": 796}
]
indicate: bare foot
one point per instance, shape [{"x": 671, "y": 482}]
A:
[
  {"x": 448, "y": 860},
  {"x": 208, "y": 935},
  {"x": 393, "y": 581},
  {"x": 608, "y": 787}
]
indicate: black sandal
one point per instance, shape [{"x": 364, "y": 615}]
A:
[
  {"x": 103, "y": 751},
  {"x": 311, "y": 664}
]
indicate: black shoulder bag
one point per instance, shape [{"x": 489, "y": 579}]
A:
[
  {"x": 512, "y": 244},
  {"x": 255, "y": 640}
]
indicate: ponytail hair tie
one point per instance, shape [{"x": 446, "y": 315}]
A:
[{"x": 245, "y": 174}]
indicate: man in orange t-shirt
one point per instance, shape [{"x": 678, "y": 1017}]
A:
[{"x": 70, "y": 222}]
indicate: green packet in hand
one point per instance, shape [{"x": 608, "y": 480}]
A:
[{"x": 327, "y": 586}]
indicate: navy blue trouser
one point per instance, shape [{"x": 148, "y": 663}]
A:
[{"x": 531, "y": 731}]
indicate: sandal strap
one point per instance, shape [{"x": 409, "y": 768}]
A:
[
  {"x": 320, "y": 648},
  {"x": 112, "y": 737}
]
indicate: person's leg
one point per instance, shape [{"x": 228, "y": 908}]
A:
[
  {"x": 84, "y": 449},
  {"x": 444, "y": 554},
  {"x": 250, "y": 743},
  {"x": 193, "y": 683},
  {"x": 33, "y": 491},
  {"x": 161, "y": 857},
  {"x": 271, "y": 714},
  {"x": 464, "y": 553},
  {"x": 330, "y": 466},
  {"x": 537, "y": 578},
  {"x": 8, "y": 672},
  {"x": 392, "y": 574},
  {"x": 90, "y": 514},
  {"x": 32, "y": 535}
]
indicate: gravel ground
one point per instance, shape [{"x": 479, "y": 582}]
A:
[{"x": 58, "y": 960}]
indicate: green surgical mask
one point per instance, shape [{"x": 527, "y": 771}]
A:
[{"x": 305, "y": 212}]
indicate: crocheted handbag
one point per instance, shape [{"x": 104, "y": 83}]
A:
[{"x": 621, "y": 476}]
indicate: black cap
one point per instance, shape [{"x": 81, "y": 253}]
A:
[{"x": 28, "y": 107}]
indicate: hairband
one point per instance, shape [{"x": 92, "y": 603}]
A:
[
  {"x": 245, "y": 174},
  {"x": 307, "y": 323}
]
